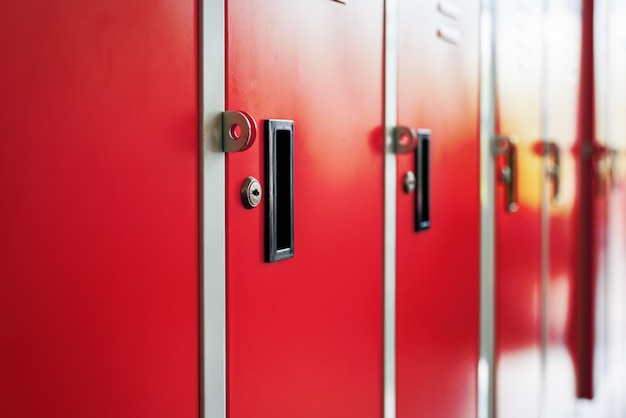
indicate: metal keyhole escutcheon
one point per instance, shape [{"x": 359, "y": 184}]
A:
[
  {"x": 251, "y": 193},
  {"x": 409, "y": 182}
]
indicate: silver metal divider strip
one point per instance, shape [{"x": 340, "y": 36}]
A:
[
  {"x": 486, "y": 363},
  {"x": 212, "y": 167},
  {"x": 390, "y": 121}
]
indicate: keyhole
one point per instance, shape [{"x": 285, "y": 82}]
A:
[{"x": 255, "y": 192}]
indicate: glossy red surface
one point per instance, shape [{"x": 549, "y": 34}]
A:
[
  {"x": 305, "y": 334},
  {"x": 562, "y": 127},
  {"x": 438, "y": 269},
  {"x": 98, "y": 212},
  {"x": 518, "y": 235}
]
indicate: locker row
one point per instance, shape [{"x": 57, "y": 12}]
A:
[{"x": 313, "y": 209}]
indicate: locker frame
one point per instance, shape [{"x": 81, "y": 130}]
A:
[
  {"x": 212, "y": 173},
  {"x": 390, "y": 165}
]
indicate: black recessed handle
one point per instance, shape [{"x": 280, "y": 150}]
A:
[
  {"x": 279, "y": 190},
  {"x": 422, "y": 171}
]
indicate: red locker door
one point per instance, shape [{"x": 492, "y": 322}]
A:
[
  {"x": 562, "y": 197},
  {"x": 437, "y": 283},
  {"x": 98, "y": 211},
  {"x": 305, "y": 333},
  {"x": 518, "y": 208}
]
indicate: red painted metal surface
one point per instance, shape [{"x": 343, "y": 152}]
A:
[
  {"x": 518, "y": 234},
  {"x": 438, "y": 269},
  {"x": 562, "y": 45},
  {"x": 305, "y": 334},
  {"x": 98, "y": 212}
]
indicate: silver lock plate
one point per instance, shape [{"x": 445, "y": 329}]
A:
[
  {"x": 251, "y": 193},
  {"x": 409, "y": 182}
]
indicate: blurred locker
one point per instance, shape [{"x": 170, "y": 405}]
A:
[
  {"x": 99, "y": 209},
  {"x": 562, "y": 203},
  {"x": 518, "y": 236},
  {"x": 616, "y": 208},
  {"x": 605, "y": 341},
  {"x": 437, "y": 223}
]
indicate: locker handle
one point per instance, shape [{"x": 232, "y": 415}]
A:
[
  {"x": 614, "y": 155},
  {"x": 506, "y": 145},
  {"x": 554, "y": 171},
  {"x": 279, "y": 234},
  {"x": 422, "y": 191}
]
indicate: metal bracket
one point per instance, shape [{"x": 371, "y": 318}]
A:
[
  {"x": 238, "y": 131},
  {"x": 405, "y": 139},
  {"x": 502, "y": 144}
]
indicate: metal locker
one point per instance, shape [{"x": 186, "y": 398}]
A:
[
  {"x": 304, "y": 317},
  {"x": 517, "y": 180},
  {"x": 562, "y": 196},
  {"x": 437, "y": 222},
  {"x": 99, "y": 209}
]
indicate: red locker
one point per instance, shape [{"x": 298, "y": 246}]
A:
[
  {"x": 98, "y": 211},
  {"x": 304, "y": 334},
  {"x": 518, "y": 236},
  {"x": 437, "y": 224}
]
